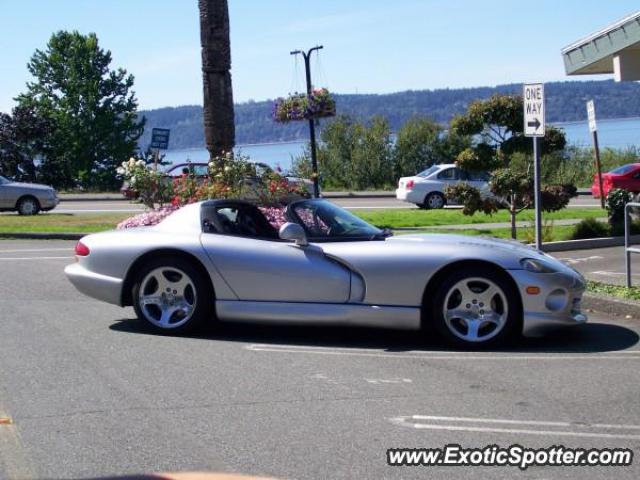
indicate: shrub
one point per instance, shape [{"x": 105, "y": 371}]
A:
[{"x": 590, "y": 228}]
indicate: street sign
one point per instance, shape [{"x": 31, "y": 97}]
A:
[
  {"x": 591, "y": 113},
  {"x": 160, "y": 138},
  {"x": 534, "y": 123}
]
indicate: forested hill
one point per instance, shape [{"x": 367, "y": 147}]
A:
[{"x": 565, "y": 102}]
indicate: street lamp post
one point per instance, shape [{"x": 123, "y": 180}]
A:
[{"x": 312, "y": 127}]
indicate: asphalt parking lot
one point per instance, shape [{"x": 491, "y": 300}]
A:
[{"x": 89, "y": 392}]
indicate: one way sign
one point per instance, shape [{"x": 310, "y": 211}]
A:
[{"x": 534, "y": 110}]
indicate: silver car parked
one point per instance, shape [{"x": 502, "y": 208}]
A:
[
  {"x": 224, "y": 260},
  {"x": 26, "y": 198}
]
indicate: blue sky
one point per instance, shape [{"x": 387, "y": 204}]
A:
[{"x": 371, "y": 46}]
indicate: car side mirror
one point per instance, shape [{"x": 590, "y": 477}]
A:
[{"x": 293, "y": 231}]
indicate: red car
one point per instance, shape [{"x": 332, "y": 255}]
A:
[{"x": 626, "y": 177}]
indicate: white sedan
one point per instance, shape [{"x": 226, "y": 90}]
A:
[{"x": 427, "y": 188}]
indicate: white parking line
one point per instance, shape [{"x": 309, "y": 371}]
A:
[
  {"x": 36, "y": 258},
  {"x": 29, "y": 250},
  {"x": 635, "y": 355},
  {"x": 575, "y": 429}
]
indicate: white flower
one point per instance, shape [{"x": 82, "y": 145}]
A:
[
  {"x": 227, "y": 168},
  {"x": 120, "y": 171},
  {"x": 140, "y": 163},
  {"x": 133, "y": 180},
  {"x": 132, "y": 162}
]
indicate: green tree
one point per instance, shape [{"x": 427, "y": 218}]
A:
[
  {"x": 498, "y": 126},
  {"x": 353, "y": 155},
  {"x": 421, "y": 142},
  {"x": 91, "y": 108},
  {"x": 23, "y": 137}
]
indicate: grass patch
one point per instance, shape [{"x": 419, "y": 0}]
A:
[
  {"x": 61, "y": 223},
  {"x": 618, "y": 291},
  {"x": 429, "y": 218},
  {"x": 561, "y": 232}
]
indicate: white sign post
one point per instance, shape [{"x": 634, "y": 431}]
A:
[
  {"x": 591, "y": 114},
  {"x": 593, "y": 128},
  {"x": 534, "y": 126}
]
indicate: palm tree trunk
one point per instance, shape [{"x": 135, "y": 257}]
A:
[{"x": 219, "y": 128}]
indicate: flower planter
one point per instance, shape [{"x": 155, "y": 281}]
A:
[{"x": 318, "y": 104}]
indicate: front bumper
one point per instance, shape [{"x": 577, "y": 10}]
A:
[
  {"x": 556, "y": 305},
  {"x": 49, "y": 203},
  {"x": 101, "y": 287}
]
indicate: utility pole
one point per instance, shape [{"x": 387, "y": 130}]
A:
[{"x": 312, "y": 127}]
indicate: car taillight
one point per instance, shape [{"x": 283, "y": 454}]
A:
[
  {"x": 82, "y": 250},
  {"x": 409, "y": 185}
]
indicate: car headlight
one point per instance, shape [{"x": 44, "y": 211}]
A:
[{"x": 537, "y": 266}]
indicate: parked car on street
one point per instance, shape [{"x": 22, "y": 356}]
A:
[
  {"x": 626, "y": 177},
  {"x": 427, "y": 188},
  {"x": 26, "y": 198},
  {"x": 223, "y": 260}
]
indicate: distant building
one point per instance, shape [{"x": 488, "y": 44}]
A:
[{"x": 614, "y": 49}]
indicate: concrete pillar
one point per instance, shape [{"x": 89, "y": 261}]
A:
[{"x": 626, "y": 66}]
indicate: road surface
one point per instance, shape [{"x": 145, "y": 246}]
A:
[{"x": 89, "y": 392}]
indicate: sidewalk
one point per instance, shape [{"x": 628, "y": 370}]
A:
[
  {"x": 101, "y": 197},
  {"x": 486, "y": 226}
]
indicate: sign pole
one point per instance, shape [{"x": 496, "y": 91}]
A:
[
  {"x": 593, "y": 128},
  {"x": 534, "y": 126},
  {"x": 596, "y": 153},
  {"x": 538, "y": 192}
]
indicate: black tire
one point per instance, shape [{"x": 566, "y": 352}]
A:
[
  {"x": 435, "y": 200},
  {"x": 505, "y": 306},
  {"x": 28, "y": 206},
  {"x": 198, "y": 297}
]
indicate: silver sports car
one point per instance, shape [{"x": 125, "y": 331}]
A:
[{"x": 223, "y": 260}]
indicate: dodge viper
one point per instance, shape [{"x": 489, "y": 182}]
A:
[{"x": 224, "y": 260}]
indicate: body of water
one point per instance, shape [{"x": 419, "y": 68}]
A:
[{"x": 614, "y": 133}]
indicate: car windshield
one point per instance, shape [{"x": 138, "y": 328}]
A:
[
  {"x": 323, "y": 220},
  {"x": 428, "y": 171},
  {"x": 624, "y": 169},
  {"x": 3, "y": 180}
]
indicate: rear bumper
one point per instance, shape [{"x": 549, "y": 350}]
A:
[
  {"x": 557, "y": 305},
  {"x": 410, "y": 196},
  {"x": 101, "y": 287}
]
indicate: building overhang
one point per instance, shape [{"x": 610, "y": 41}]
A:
[{"x": 612, "y": 50}]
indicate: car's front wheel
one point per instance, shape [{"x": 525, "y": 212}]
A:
[
  {"x": 28, "y": 206},
  {"x": 172, "y": 296},
  {"x": 434, "y": 200},
  {"x": 476, "y": 307}
]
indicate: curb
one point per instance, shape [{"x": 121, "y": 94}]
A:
[
  {"x": 44, "y": 236},
  {"x": 611, "y": 305},
  {"x": 586, "y": 244}
]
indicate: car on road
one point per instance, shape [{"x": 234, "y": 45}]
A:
[
  {"x": 626, "y": 177},
  {"x": 427, "y": 188},
  {"x": 223, "y": 260},
  {"x": 26, "y": 198}
]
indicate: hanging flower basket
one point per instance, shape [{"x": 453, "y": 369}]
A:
[{"x": 318, "y": 104}]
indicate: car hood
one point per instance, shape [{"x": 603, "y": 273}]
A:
[
  {"x": 30, "y": 186},
  {"x": 437, "y": 249}
]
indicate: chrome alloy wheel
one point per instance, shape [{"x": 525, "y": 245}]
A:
[
  {"x": 167, "y": 297},
  {"x": 28, "y": 206},
  {"x": 475, "y": 309},
  {"x": 435, "y": 201}
]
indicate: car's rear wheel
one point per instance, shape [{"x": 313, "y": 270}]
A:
[
  {"x": 28, "y": 206},
  {"x": 476, "y": 307},
  {"x": 434, "y": 201},
  {"x": 172, "y": 296}
]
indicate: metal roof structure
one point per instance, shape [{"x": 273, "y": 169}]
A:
[{"x": 614, "y": 49}]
